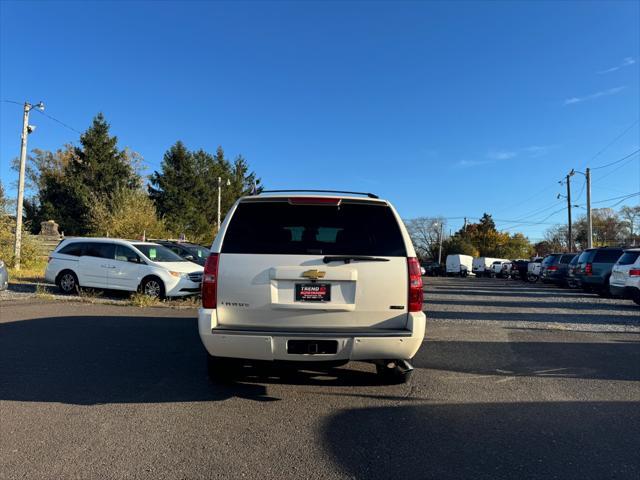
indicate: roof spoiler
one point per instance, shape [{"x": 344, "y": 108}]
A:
[{"x": 366, "y": 194}]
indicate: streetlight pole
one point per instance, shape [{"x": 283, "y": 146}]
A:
[
  {"x": 26, "y": 130},
  {"x": 220, "y": 197},
  {"x": 589, "y": 224},
  {"x": 440, "y": 244},
  {"x": 569, "y": 224}
]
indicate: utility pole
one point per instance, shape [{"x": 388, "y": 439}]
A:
[
  {"x": 26, "y": 130},
  {"x": 569, "y": 224},
  {"x": 589, "y": 224},
  {"x": 219, "y": 198},
  {"x": 465, "y": 224},
  {"x": 440, "y": 244}
]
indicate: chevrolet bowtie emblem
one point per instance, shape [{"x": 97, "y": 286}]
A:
[{"x": 313, "y": 274}]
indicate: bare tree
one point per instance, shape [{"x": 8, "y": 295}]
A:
[
  {"x": 425, "y": 234},
  {"x": 631, "y": 219}
]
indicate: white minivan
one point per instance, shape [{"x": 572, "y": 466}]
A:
[
  {"x": 312, "y": 279},
  {"x": 116, "y": 264}
]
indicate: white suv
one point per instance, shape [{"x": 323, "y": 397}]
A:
[
  {"x": 625, "y": 276},
  {"x": 309, "y": 278},
  {"x": 122, "y": 265}
]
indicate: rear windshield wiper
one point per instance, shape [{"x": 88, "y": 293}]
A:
[{"x": 352, "y": 258}]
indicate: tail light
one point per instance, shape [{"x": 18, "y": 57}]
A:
[
  {"x": 552, "y": 268},
  {"x": 634, "y": 272},
  {"x": 588, "y": 269},
  {"x": 415, "y": 285},
  {"x": 210, "y": 282}
]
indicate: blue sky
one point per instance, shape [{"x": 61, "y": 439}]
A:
[{"x": 445, "y": 108}]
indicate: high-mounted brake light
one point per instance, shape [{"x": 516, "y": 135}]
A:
[
  {"x": 588, "y": 269},
  {"x": 415, "y": 285},
  {"x": 210, "y": 282},
  {"x": 315, "y": 201},
  {"x": 634, "y": 272}
]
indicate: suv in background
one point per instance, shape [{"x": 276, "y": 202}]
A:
[
  {"x": 312, "y": 280},
  {"x": 593, "y": 270},
  {"x": 189, "y": 251},
  {"x": 115, "y": 264},
  {"x": 572, "y": 281},
  {"x": 555, "y": 268},
  {"x": 625, "y": 276}
]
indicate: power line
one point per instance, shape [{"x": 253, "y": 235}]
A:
[
  {"x": 617, "y": 161},
  {"x": 614, "y": 140},
  {"x": 629, "y": 160},
  {"x": 48, "y": 116},
  {"x": 60, "y": 122}
]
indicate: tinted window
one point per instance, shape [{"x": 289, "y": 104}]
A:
[
  {"x": 158, "y": 253},
  {"x": 607, "y": 256},
  {"x": 198, "y": 251},
  {"x": 574, "y": 260},
  {"x": 586, "y": 256},
  {"x": 124, "y": 253},
  {"x": 74, "y": 249},
  {"x": 567, "y": 258},
  {"x": 550, "y": 260},
  {"x": 281, "y": 228},
  {"x": 628, "y": 258},
  {"x": 100, "y": 250}
]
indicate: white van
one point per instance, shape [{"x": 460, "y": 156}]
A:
[
  {"x": 321, "y": 279},
  {"x": 117, "y": 264},
  {"x": 459, "y": 265},
  {"x": 482, "y": 266}
]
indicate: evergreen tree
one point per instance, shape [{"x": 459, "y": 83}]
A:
[
  {"x": 68, "y": 181},
  {"x": 174, "y": 189}
]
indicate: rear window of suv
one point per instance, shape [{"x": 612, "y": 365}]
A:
[
  {"x": 550, "y": 260},
  {"x": 628, "y": 258},
  {"x": 276, "y": 227},
  {"x": 607, "y": 256}
]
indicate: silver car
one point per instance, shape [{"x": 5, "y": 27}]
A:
[{"x": 4, "y": 276}]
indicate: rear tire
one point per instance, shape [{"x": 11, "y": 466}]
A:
[
  {"x": 636, "y": 297},
  {"x": 604, "y": 292},
  {"x": 68, "y": 282}
]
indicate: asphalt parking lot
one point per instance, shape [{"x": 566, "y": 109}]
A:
[{"x": 513, "y": 380}]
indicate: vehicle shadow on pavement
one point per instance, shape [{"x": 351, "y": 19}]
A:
[
  {"x": 541, "y": 316},
  {"x": 541, "y": 304},
  {"x": 109, "y": 359},
  {"x": 601, "y": 361},
  {"x": 582, "y": 440}
]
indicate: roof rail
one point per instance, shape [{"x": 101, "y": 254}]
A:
[{"x": 370, "y": 195}]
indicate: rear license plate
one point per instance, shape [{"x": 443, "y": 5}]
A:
[
  {"x": 313, "y": 292},
  {"x": 312, "y": 347}
]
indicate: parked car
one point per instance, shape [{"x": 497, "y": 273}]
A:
[
  {"x": 594, "y": 268},
  {"x": 433, "y": 269},
  {"x": 625, "y": 276},
  {"x": 496, "y": 268},
  {"x": 481, "y": 266},
  {"x": 312, "y": 279},
  {"x": 519, "y": 269},
  {"x": 189, "y": 251},
  {"x": 4, "y": 276},
  {"x": 533, "y": 269},
  {"x": 460, "y": 265},
  {"x": 555, "y": 268},
  {"x": 572, "y": 281},
  {"x": 506, "y": 270},
  {"x": 116, "y": 264}
]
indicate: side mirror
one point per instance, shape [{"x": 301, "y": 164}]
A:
[
  {"x": 191, "y": 258},
  {"x": 133, "y": 259}
]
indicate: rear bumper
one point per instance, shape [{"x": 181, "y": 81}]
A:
[
  {"x": 623, "y": 291},
  {"x": 375, "y": 344}
]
